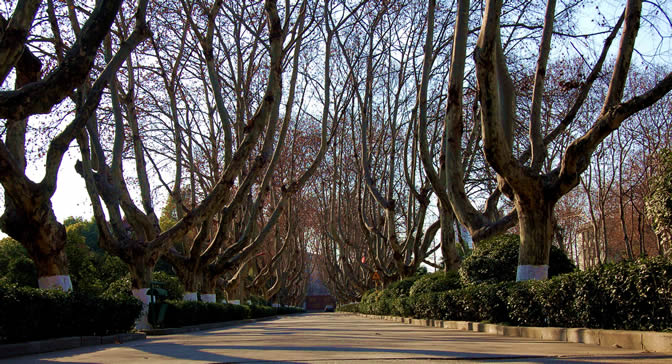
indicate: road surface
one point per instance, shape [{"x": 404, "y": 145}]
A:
[{"x": 336, "y": 338}]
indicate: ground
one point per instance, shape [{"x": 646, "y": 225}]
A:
[{"x": 329, "y": 338}]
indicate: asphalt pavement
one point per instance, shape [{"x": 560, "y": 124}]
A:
[{"x": 337, "y": 338}]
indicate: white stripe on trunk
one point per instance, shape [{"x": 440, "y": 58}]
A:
[
  {"x": 190, "y": 296},
  {"x": 141, "y": 294},
  {"x": 209, "y": 297},
  {"x": 532, "y": 272},
  {"x": 60, "y": 282}
]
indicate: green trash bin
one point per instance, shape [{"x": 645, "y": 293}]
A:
[{"x": 157, "y": 306}]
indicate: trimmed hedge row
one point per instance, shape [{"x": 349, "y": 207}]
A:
[
  {"x": 33, "y": 314},
  {"x": 628, "y": 296},
  {"x": 186, "y": 313},
  {"x": 495, "y": 260}
]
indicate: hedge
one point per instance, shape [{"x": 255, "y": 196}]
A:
[
  {"x": 33, "y": 314},
  {"x": 495, "y": 260},
  {"x": 633, "y": 295},
  {"x": 186, "y": 313},
  {"x": 435, "y": 282}
]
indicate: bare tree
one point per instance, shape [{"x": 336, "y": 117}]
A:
[
  {"x": 29, "y": 217},
  {"x": 535, "y": 194}
]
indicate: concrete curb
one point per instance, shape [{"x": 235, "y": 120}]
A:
[
  {"x": 63, "y": 343},
  {"x": 649, "y": 341}
]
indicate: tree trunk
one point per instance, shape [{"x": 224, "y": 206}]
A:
[
  {"x": 141, "y": 266},
  {"x": 44, "y": 238},
  {"x": 451, "y": 259},
  {"x": 192, "y": 280},
  {"x": 535, "y": 221},
  {"x": 208, "y": 286},
  {"x": 52, "y": 270}
]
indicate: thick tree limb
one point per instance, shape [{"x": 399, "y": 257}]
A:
[{"x": 39, "y": 97}]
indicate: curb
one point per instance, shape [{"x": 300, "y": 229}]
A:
[
  {"x": 650, "y": 341},
  {"x": 63, "y": 343}
]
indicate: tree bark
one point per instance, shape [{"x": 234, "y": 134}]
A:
[{"x": 535, "y": 220}]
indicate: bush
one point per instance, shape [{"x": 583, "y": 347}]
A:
[
  {"x": 171, "y": 284},
  {"x": 628, "y": 296},
  {"x": 119, "y": 288},
  {"x": 496, "y": 260},
  {"x": 402, "y": 287},
  {"x": 16, "y": 267},
  {"x": 349, "y": 307},
  {"x": 186, "y": 313},
  {"x": 33, "y": 314},
  {"x": 435, "y": 282}
]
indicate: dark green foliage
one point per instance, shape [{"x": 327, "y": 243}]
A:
[
  {"x": 435, "y": 282},
  {"x": 91, "y": 270},
  {"x": 486, "y": 302},
  {"x": 261, "y": 311},
  {"x": 86, "y": 229},
  {"x": 627, "y": 296},
  {"x": 171, "y": 284},
  {"x": 258, "y": 301},
  {"x": 287, "y": 310},
  {"x": 379, "y": 301},
  {"x": 186, "y": 313},
  {"x": 402, "y": 287},
  {"x": 403, "y": 306},
  {"x": 33, "y": 314},
  {"x": 349, "y": 307},
  {"x": 16, "y": 267},
  {"x": 428, "y": 306},
  {"x": 496, "y": 260},
  {"x": 120, "y": 287}
]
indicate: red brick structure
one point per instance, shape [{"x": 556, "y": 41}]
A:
[{"x": 317, "y": 296}]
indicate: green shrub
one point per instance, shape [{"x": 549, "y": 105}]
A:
[
  {"x": 627, "y": 295},
  {"x": 34, "y": 314},
  {"x": 186, "y": 313},
  {"x": 496, "y": 260},
  {"x": 349, "y": 307},
  {"x": 171, "y": 284},
  {"x": 119, "y": 288},
  {"x": 427, "y": 306},
  {"x": 485, "y": 302},
  {"x": 258, "y": 301},
  {"x": 16, "y": 267},
  {"x": 261, "y": 311},
  {"x": 288, "y": 310},
  {"x": 435, "y": 282},
  {"x": 402, "y": 306},
  {"x": 524, "y": 307},
  {"x": 402, "y": 287}
]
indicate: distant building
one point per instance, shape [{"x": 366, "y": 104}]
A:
[{"x": 317, "y": 295}]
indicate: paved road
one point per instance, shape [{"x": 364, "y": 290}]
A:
[{"x": 334, "y": 338}]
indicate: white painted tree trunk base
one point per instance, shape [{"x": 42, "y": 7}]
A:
[
  {"x": 142, "y": 323},
  {"x": 190, "y": 296},
  {"x": 532, "y": 272},
  {"x": 209, "y": 297},
  {"x": 59, "y": 282}
]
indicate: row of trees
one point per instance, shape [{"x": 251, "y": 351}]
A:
[
  {"x": 448, "y": 121},
  {"x": 470, "y": 119}
]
